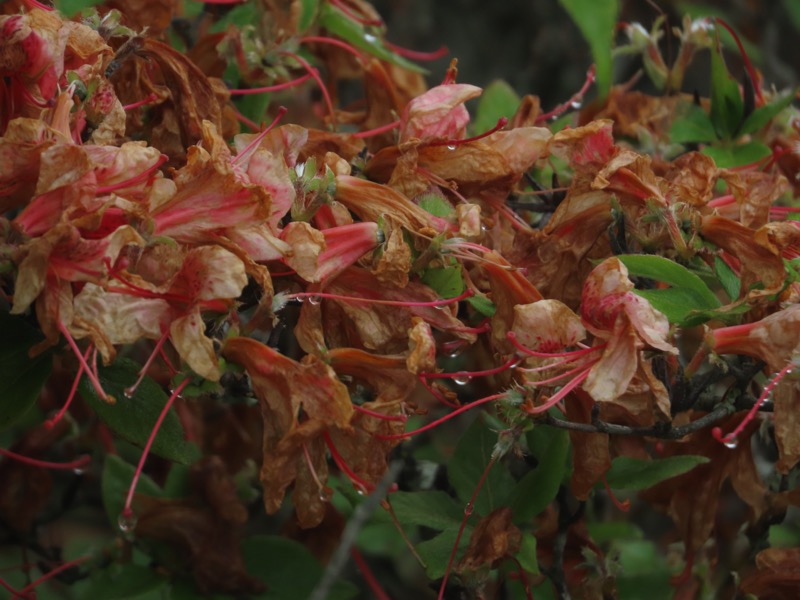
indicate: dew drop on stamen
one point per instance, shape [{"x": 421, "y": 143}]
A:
[
  {"x": 368, "y": 37},
  {"x": 78, "y": 471},
  {"x": 462, "y": 379},
  {"x": 451, "y": 146},
  {"x": 731, "y": 444},
  {"x": 468, "y": 509},
  {"x": 314, "y": 300},
  {"x": 129, "y": 392},
  {"x": 576, "y": 104},
  {"x": 127, "y": 521}
]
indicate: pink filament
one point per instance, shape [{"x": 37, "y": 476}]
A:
[
  {"x": 79, "y": 463},
  {"x": 271, "y": 88},
  {"x": 466, "y": 294}
]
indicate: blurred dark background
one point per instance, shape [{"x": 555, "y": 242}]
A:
[{"x": 534, "y": 45}]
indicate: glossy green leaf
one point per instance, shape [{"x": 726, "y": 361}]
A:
[
  {"x": 469, "y": 461},
  {"x": 436, "y": 551},
  {"x": 693, "y": 126},
  {"x": 726, "y": 157},
  {"x": 335, "y": 21},
  {"x": 727, "y": 106},
  {"x": 550, "y": 446},
  {"x": 526, "y": 556},
  {"x": 498, "y": 100},
  {"x": 664, "y": 270},
  {"x": 433, "y": 509},
  {"x": 597, "y": 22},
  {"x": 21, "y": 377},
  {"x": 134, "y": 418},
  {"x": 115, "y": 481},
  {"x": 728, "y": 279},
  {"x": 628, "y": 473},
  {"x": 764, "y": 114},
  {"x": 446, "y": 281}
]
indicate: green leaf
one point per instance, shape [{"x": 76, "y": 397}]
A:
[
  {"x": 727, "y": 106},
  {"x": 483, "y": 305},
  {"x": 539, "y": 487},
  {"x": 254, "y": 106},
  {"x": 437, "y": 205},
  {"x": 21, "y": 377},
  {"x": 436, "y": 551},
  {"x": 728, "y": 279},
  {"x": 679, "y": 305},
  {"x": 134, "y": 418},
  {"x": 693, "y": 126},
  {"x": 726, "y": 157},
  {"x": 597, "y": 22},
  {"x": 446, "y": 281},
  {"x": 339, "y": 24},
  {"x": 309, "y": 9},
  {"x": 527, "y": 554},
  {"x": 628, "y": 473},
  {"x": 434, "y": 509},
  {"x": 115, "y": 481},
  {"x": 498, "y": 100},
  {"x": 764, "y": 114},
  {"x": 288, "y": 569},
  {"x": 792, "y": 8},
  {"x": 662, "y": 269},
  {"x": 469, "y": 461},
  {"x": 122, "y": 582},
  {"x": 70, "y": 8}
]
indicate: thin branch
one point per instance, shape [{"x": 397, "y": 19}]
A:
[
  {"x": 361, "y": 515},
  {"x": 664, "y": 431}
]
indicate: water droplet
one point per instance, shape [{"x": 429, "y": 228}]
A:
[
  {"x": 451, "y": 146},
  {"x": 78, "y": 471},
  {"x": 462, "y": 379},
  {"x": 314, "y": 300},
  {"x": 129, "y": 392},
  {"x": 576, "y": 104},
  {"x": 440, "y": 306},
  {"x": 370, "y": 38},
  {"x": 298, "y": 299},
  {"x": 732, "y": 443},
  {"x": 468, "y": 509},
  {"x": 127, "y": 521},
  {"x": 325, "y": 494},
  {"x": 361, "y": 491}
]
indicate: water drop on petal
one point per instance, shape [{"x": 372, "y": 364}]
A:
[
  {"x": 370, "y": 38},
  {"x": 451, "y": 146}
]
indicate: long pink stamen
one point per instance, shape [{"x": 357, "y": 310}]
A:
[
  {"x": 315, "y": 74},
  {"x": 271, "y": 88},
  {"x": 344, "y": 467},
  {"x": 433, "y": 303},
  {"x": 50, "y": 423},
  {"x": 558, "y": 396},
  {"x": 36, "y": 4},
  {"x": 353, "y": 16},
  {"x": 470, "y": 374},
  {"x": 82, "y": 361},
  {"x": 372, "y": 582},
  {"x": 501, "y": 122},
  {"x": 416, "y": 55},
  {"x": 721, "y": 201},
  {"x": 575, "y": 99},
  {"x": 79, "y": 463},
  {"x": 560, "y": 376},
  {"x": 731, "y": 439},
  {"x": 746, "y": 59},
  {"x": 311, "y": 468},
  {"x": 376, "y": 131},
  {"x": 245, "y": 121},
  {"x": 512, "y": 337},
  {"x": 467, "y": 512},
  {"x": 321, "y": 39},
  {"x": 436, "y": 393},
  {"x": 63, "y": 567},
  {"x": 482, "y": 328},
  {"x": 130, "y": 391},
  {"x": 149, "y": 99},
  {"x": 623, "y": 506},
  {"x": 437, "y": 422},
  {"x": 14, "y": 593},
  {"x": 381, "y": 416},
  {"x": 143, "y": 176},
  {"x": 247, "y": 150},
  {"x": 127, "y": 512}
]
